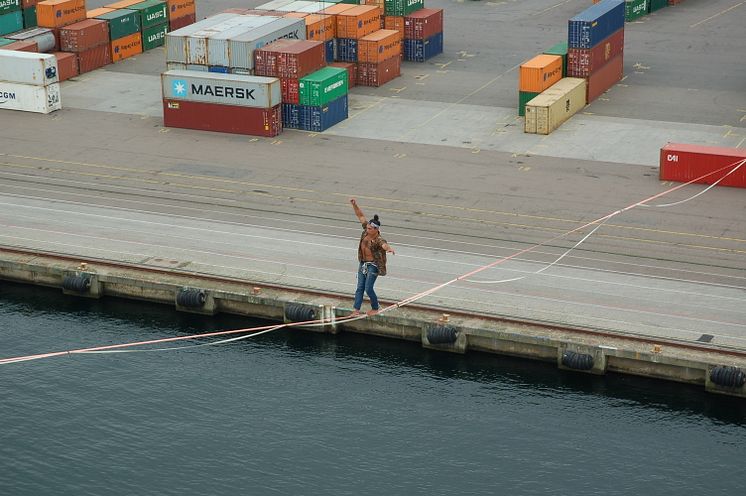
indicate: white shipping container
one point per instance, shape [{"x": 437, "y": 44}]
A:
[
  {"x": 242, "y": 46},
  {"x": 294, "y": 6},
  {"x": 273, "y": 5},
  {"x": 315, "y": 7},
  {"x": 30, "y": 98},
  {"x": 28, "y": 67},
  {"x": 217, "y": 45},
  {"x": 176, "y": 41},
  {"x": 176, "y": 66},
  {"x": 547, "y": 111},
  {"x": 44, "y": 38},
  {"x": 224, "y": 89}
]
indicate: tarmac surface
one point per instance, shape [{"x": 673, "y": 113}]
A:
[{"x": 441, "y": 156}]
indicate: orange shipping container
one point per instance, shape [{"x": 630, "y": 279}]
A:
[
  {"x": 396, "y": 23},
  {"x": 181, "y": 8},
  {"x": 379, "y": 46},
  {"x": 126, "y": 47},
  {"x": 338, "y": 8},
  {"x": 296, "y": 15},
  {"x": 540, "y": 73},
  {"x": 358, "y": 21},
  {"x": 97, "y": 12},
  {"x": 58, "y": 13},
  {"x": 22, "y": 46},
  {"x": 320, "y": 28}
]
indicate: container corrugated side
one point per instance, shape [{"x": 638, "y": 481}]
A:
[
  {"x": 582, "y": 62},
  {"x": 323, "y": 86},
  {"x": 273, "y": 5},
  {"x": 294, "y": 6},
  {"x": 30, "y": 98},
  {"x": 634, "y": 9},
  {"x": 595, "y": 23},
  {"x": 11, "y": 22},
  {"x": 218, "y": 45},
  {"x": 222, "y": 118},
  {"x": 422, "y": 50},
  {"x": 225, "y": 89},
  {"x": 242, "y": 47},
  {"x": 321, "y": 118},
  {"x": 683, "y": 163},
  {"x": 605, "y": 77},
  {"x": 28, "y": 68},
  {"x": 539, "y": 73},
  {"x": 176, "y": 40},
  {"x": 557, "y": 104}
]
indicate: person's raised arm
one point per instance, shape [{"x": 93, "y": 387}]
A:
[
  {"x": 388, "y": 248},
  {"x": 358, "y": 212}
]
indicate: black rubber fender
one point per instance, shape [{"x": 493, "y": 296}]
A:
[
  {"x": 80, "y": 283},
  {"x": 191, "y": 298},
  {"x": 728, "y": 376},
  {"x": 577, "y": 361},
  {"x": 441, "y": 334},
  {"x": 295, "y": 312}
]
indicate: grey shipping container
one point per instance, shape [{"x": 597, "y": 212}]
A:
[
  {"x": 242, "y": 47},
  {"x": 225, "y": 89},
  {"x": 196, "y": 43},
  {"x": 176, "y": 41},
  {"x": 274, "y": 4},
  {"x": 217, "y": 45}
]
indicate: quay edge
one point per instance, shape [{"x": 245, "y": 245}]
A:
[{"x": 577, "y": 350}]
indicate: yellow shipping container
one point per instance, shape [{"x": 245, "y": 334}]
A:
[{"x": 555, "y": 105}]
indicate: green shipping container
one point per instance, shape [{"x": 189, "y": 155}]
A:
[
  {"x": 5, "y": 41},
  {"x": 402, "y": 7},
  {"x": 7, "y": 6},
  {"x": 561, "y": 50},
  {"x": 654, "y": 5},
  {"x": 353, "y": 2},
  {"x": 29, "y": 17},
  {"x": 154, "y": 36},
  {"x": 323, "y": 86},
  {"x": 122, "y": 22},
  {"x": 152, "y": 13},
  {"x": 634, "y": 9},
  {"x": 523, "y": 98},
  {"x": 10, "y": 23}
]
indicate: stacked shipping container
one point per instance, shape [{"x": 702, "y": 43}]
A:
[
  {"x": 423, "y": 34},
  {"x": 536, "y": 75},
  {"x": 29, "y": 82}
]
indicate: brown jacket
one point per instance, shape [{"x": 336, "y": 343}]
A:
[{"x": 379, "y": 254}]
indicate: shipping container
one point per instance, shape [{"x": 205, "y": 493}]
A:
[
  {"x": 95, "y": 58},
  {"x": 30, "y": 98},
  {"x": 197, "y": 67},
  {"x": 683, "y": 163},
  {"x": 321, "y": 118},
  {"x": 122, "y": 4},
  {"x": 29, "y": 17},
  {"x": 176, "y": 40},
  {"x": 154, "y": 37},
  {"x": 218, "y": 44},
  {"x": 93, "y": 13},
  {"x": 8, "y": 6},
  {"x": 294, "y": 59},
  {"x": 197, "y": 51},
  {"x": 11, "y": 22},
  {"x": 218, "y": 68},
  {"x": 320, "y": 27},
  {"x": 337, "y": 8},
  {"x": 293, "y": 6},
  {"x": 26, "y": 4},
  {"x": 550, "y": 109},
  {"x": 19, "y": 46},
  {"x": 595, "y": 23},
  {"x": 422, "y": 50},
  {"x": 224, "y": 89},
  {"x": 5, "y": 42},
  {"x": 423, "y": 24},
  {"x": 634, "y": 9},
  {"x": 582, "y": 62},
  {"x": 523, "y": 98},
  {"x": 346, "y": 50},
  {"x": 379, "y": 45},
  {"x": 395, "y": 23},
  {"x": 175, "y": 66},
  {"x": 58, "y": 13},
  {"x": 67, "y": 63},
  {"x": 242, "y": 47},
  {"x": 315, "y": 7},
  {"x": 273, "y": 5},
  {"x": 179, "y": 9},
  {"x": 378, "y": 74},
  {"x": 266, "y": 59},
  {"x": 290, "y": 116},
  {"x": 222, "y": 118},
  {"x": 403, "y": 7},
  {"x": 28, "y": 68},
  {"x": 181, "y": 22},
  {"x": 561, "y": 50},
  {"x": 124, "y": 48},
  {"x": 351, "y": 69},
  {"x": 605, "y": 77},
  {"x": 289, "y": 90},
  {"x": 122, "y": 23},
  {"x": 323, "y": 86},
  {"x": 654, "y": 5},
  {"x": 539, "y": 73},
  {"x": 44, "y": 38},
  {"x": 358, "y": 21},
  {"x": 84, "y": 35},
  {"x": 152, "y": 13},
  {"x": 330, "y": 50}
]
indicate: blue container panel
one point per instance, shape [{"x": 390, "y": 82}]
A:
[
  {"x": 322, "y": 118},
  {"x": 329, "y": 49},
  {"x": 421, "y": 50},
  {"x": 595, "y": 24},
  {"x": 10, "y": 23},
  {"x": 291, "y": 116},
  {"x": 218, "y": 68},
  {"x": 346, "y": 50}
]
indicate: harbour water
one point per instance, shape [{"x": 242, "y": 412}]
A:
[{"x": 294, "y": 412}]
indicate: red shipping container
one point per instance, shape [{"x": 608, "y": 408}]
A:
[
  {"x": 683, "y": 163},
  {"x": 94, "y": 58},
  {"x": 180, "y": 22},
  {"x": 84, "y": 35},
  {"x": 582, "y": 62},
  {"x": 369, "y": 74},
  {"x": 222, "y": 118},
  {"x": 423, "y": 23},
  {"x": 289, "y": 58},
  {"x": 289, "y": 90},
  {"x": 266, "y": 59},
  {"x": 604, "y": 78},
  {"x": 22, "y": 46},
  {"x": 351, "y": 68},
  {"x": 67, "y": 65}
]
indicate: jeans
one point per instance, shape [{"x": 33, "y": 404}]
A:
[{"x": 367, "y": 274}]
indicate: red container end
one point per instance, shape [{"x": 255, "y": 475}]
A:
[
  {"x": 582, "y": 62},
  {"x": 180, "y": 22},
  {"x": 369, "y": 74},
  {"x": 67, "y": 65},
  {"x": 423, "y": 23},
  {"x": 289, "y": 90},
  {"x": 266, "y": 59},
  {"x": 683, "y": 163},
  {"x": 289, "y": 58},
  {"x": 604, "y": 78},
  {"x": 94, "y": 58},
  {"x": 351, "y": 68},
  {"x": 222, "y": 118},
  {"x": 84, "y": 35},
  {"x": 22, "y": 46}
]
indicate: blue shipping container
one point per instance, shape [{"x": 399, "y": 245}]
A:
[
  {"x": 329, "y": 46},
  {"x": 322, "y": 118},
  {"x": 346, "y": 50},
  {"x": 218, "y": 68},
  {"x": 421, "y": 50},
  {"x": 595, "y": 24},
  {"x": 10, "y": 23},
  {"x": 290, "y": 116}
]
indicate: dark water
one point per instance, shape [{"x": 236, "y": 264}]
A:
[{"x": 300, "y": 413}]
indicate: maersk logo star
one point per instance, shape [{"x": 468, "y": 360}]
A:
[{"x": 179, "y": 87}]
